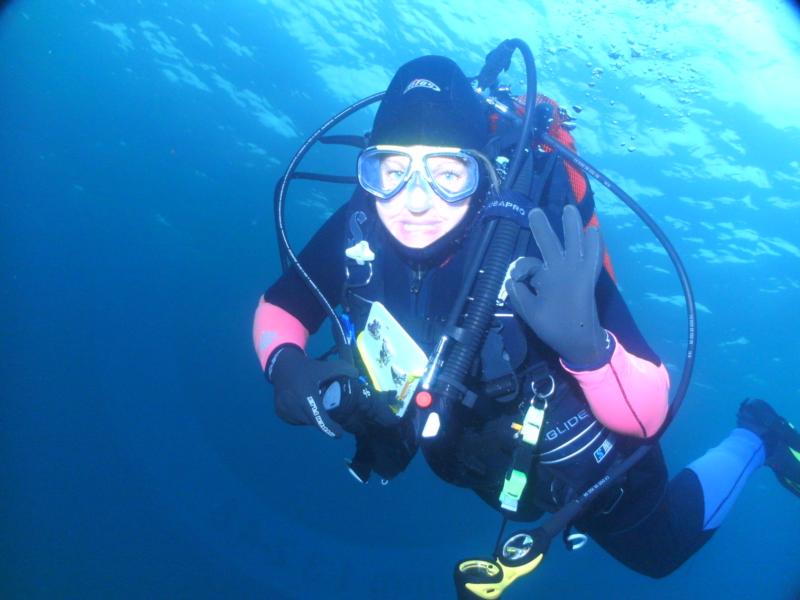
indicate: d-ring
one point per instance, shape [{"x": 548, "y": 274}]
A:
[{"x": 549, "y": 393}]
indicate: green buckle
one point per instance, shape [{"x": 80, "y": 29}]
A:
[{"x": 512, "y": 490}]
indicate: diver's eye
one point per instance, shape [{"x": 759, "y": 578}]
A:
[
  {"x": 448, "y": 176},
  {"x": 393, "y": 170},
  {"x": 449, "y": 173}
]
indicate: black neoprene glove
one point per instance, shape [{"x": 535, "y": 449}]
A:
[
  {"x": 355, "y": 405},
  {"x": 555, "y": 296},
  {"x": 326, "y": 394},
  {"x": 300, "y": 383}
]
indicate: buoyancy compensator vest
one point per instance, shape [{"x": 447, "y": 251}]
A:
[{"x": 574, "y": 448}]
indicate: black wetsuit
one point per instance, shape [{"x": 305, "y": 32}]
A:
[{"x": 647, "y": 523}]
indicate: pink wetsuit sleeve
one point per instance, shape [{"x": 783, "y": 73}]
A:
[
  {"x": 272, "y": 327},
  {"x": 628, "y": 395}
]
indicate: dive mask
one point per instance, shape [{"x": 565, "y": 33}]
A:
[{"x": 452, "y": 173}]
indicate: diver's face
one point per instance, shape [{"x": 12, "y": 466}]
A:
[{"x": 417, "y": 216}]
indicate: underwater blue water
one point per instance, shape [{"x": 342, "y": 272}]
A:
[{"x": 139, "y": 453}]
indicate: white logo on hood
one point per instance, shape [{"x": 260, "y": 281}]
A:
[{"x": 421, "y": 83}]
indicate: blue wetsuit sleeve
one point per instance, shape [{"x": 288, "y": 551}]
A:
[
  {"x": 323, "y": 260},
  {"x": 615, "y": 316}
]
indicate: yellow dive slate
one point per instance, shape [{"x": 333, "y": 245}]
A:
[{"x": 393, "y": 359}]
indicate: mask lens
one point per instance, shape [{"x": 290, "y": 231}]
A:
[
  {"x": 383, "y": 173},
  {"x": 452, "y": 176}
]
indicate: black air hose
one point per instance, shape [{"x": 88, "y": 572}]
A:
[
  {"x": 503, "y": 234},
  {"x": 481, "y": 310}
]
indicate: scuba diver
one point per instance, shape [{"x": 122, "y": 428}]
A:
[{"x": 562, "y": 386}]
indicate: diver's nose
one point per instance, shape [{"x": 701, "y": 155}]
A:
[{"x": 419, "y": 195}]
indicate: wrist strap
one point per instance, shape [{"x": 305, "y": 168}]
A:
[{"x": 273, "y": 358}]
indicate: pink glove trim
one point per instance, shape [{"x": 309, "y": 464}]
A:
[
  {"x": 272, "y": 327},
  {"x": 628, "y": 395}
]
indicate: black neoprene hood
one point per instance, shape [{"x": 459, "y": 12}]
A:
[{"x": 431, "y": 102}]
